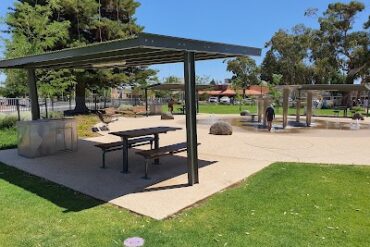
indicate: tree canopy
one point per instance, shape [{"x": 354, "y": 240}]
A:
[
  {"x": 37, "y": 26},
  {"x": 245, "y": 71},
  {"x": 333, "y": 53}
]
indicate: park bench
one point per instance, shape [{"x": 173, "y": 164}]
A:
[
  {"x": 115, "y": 146},
  {"x": 160, "y": 152}
]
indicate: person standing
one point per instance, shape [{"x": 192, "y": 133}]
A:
[
  {"x": 170, "y": 104},
  {"x": 270, "y": 116}
]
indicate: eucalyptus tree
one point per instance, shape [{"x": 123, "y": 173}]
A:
[
  {"x": 288, "y": 55},
  {"x": 172, "y": 80},
  {"x": 245, "y": 71},
  {"x": 337, "y": 46},
  {"x": 32, "y": 31}
]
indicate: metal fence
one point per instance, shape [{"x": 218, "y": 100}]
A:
[{"x": 21, "y": 105}]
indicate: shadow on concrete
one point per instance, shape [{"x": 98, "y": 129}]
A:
[{"x": 80, "y": 171}]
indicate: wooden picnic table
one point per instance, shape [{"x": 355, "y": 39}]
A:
[{"x": 135, "y": 133}]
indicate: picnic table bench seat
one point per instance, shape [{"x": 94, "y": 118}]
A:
[
  {"x": 114, "y": 146},
  {"x": 160, "y": 152},
  {"x": 181, "y": 109}
]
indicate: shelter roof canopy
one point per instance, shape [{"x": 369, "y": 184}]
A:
[
  {"x": 334, "y": 87},
  {"x": 141, "y": 50}
]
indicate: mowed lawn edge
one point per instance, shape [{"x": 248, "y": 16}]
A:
[
  {"x": 285, "y": 204},
  {"x": 8, "y": 138}
]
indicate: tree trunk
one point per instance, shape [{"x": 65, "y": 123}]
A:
[
  {"x": 350, "y": 80},
  {"x": 80, "y": 98}
]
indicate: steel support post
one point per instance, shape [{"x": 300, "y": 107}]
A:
[
  {"x": 146, "y": 101},
  {"x": 35, "y": 108},
  {"x": 266, "y": 103},
  {"x": 191, "y": 121},
  {"x": 309, "y": 109},
  {"x": 197, "y": 95},
  {"x": 260, "y": 109},
  {"x": 298, "y": 105},
  {"x": 286, "y": 92},
  {"x": 367, "y": 107}
]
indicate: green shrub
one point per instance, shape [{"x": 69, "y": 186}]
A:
[
  {"x": 357, "y": 108},
  {"x": 55, "y": 115},
  {"x": 125, "y": 107},
  {"x": 7, "y": 122}
]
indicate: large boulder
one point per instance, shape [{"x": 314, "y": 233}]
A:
[
  {"x": 167, "y": 116},
  {"x": 245, "y": 113},
  {"x": 221, "y": 128}
]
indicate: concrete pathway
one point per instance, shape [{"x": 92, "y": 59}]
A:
[{"x": 224, "y": 161}]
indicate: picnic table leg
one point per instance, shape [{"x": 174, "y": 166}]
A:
[
  {"x": 156, "y": 146},
  {"x": 125, "y": 155}
]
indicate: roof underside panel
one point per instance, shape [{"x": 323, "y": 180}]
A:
[
  {"x": 145, "y": 49},
  {"x": 335, "y": 87},
  {"x": 177, "y": 87}
]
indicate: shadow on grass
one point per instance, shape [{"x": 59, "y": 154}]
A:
[
  {"x": 7, "y": 146},
  {"x": 80, "y": 171},
  {"x": 61, "y": 196}
]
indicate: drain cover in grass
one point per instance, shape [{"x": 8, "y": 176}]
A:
[{"x": 133, "y": 242}]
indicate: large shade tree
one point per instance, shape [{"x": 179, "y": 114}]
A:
[
  {"x": 32, "y": 31},
  {"x": 333, "y": 53},
  {"x": 37, "y": 26},
  {"x": 244, "y": 71},
  {"x": 287, "y": 55},
  {"x": 337, "y": 46}
]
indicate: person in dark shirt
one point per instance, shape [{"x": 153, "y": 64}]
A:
[
  {"x": 170, "y": 104},
  {"x": 270, "y": 116}
]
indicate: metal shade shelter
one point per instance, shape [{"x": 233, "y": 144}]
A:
[
  {"x": 334, "y": 87},
  {"x": 174, "y": 87},
  {"x": 140, "y": 50},
  {"x": 338, "y": 87},
  {"x": 317, "y": 87}
]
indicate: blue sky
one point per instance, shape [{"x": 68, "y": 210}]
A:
[{"x": 250, "y": 23}]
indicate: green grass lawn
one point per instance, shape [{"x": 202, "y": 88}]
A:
[
  {"x": 283, "y": 205},
  {"x": 8, "y": 138},
  {"x": 235, "y": 109}
]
